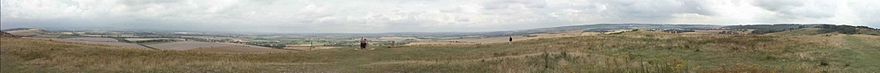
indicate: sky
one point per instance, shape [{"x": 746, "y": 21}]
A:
[{"x": 371, "y": 16}]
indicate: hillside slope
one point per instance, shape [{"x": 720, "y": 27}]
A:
[
  {"x": 628, "y": 52},
  {"x": 598, "y": 28},
  {"x": 25, "y": 31},
  {"x": 807, "y": 29},
  {"x": 4, "y": 34}
]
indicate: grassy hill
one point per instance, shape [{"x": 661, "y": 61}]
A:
[
  {"x": 25, "y": 31},
  {"x": 825, "y": 31},
  {"x": 807, "y": 29},
  {"x": 4, "y": 34},
  {"x": 598, "y": 28},
  {"x": 640, "y": 51}
]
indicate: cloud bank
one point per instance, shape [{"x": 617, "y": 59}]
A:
[{"x": 359, "y": 16}]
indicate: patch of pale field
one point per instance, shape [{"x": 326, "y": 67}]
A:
[
  {"x": 211, "y": 47},
  {"x": 654, "y": 34},
  {"x": 440, "y": 43},
  {"x": 396, "y": 38},
  {"x": 29, "y": 32},
  {"x": 238, "y": 49},
  {"x": 186, "y": 45},
  {"x": 118, "y": 44},
  {"x": 491, "y": 40},
  {"x": 589, "y": 33},
  {"x": 704, "y": 32},
  {"x": 309, "y": 47},
  {"x": 92, "y": 39},
  {"x": 97, "y": 41}
]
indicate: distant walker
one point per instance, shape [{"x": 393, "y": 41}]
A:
[
  {"x": 510, "y": 41},
  {"x": 363, "y": 43}
]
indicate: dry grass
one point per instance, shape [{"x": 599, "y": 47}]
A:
[{"x": 645, "y": 52}]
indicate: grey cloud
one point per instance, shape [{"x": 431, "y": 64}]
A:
[
  {"x": 799, "y": 8},
  {"x": 147, "y": 2},
  {"x": 778, "y": 5},
  {"x": 656, "y": 9},
  {"x": 512, "y": 4}
]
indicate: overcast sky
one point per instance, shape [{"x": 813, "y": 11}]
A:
[{"x": 358, "y": 16}]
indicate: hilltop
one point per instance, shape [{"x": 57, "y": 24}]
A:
[
  {"x": 637, "y": 51},
  {"x": 25, "y": 31},
  {"x": 681, "y": 28},
  {"x": 807, "y": 29},
  {"x": 4, "y": 34}
]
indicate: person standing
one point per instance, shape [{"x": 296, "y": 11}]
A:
[
  {"x": 364, "y": 43},
  {"x": 393, "y": 44},
  {"x": 510, "y": 40}
]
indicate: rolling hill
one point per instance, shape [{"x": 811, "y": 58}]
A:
[
  {"x": 598, "y": 28},
  {"x": 25, "y": 31},
  {"x": 808, "y": 29},
  {"x": 639, "y": 51},
  {"x": 4, "y": 34}
]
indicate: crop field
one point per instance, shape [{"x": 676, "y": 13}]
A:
[
  {"x": 103, "y": 41},
  {"x": 210, "y": 47},
  {"x": 635, "y": 52},
  {"x": 490, "y": 40},
  {"x": 309, "y": 47},
  {"x": 186, "y": 45},
  {"x": 229, "y": 48}
]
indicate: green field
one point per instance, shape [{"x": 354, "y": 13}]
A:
[{"x": 636, "y": 52}]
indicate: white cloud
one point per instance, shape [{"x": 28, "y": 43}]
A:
[{"x": 418, "y": 15}]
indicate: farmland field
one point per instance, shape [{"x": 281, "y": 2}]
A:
[
  {"x": 490, "y": 40},
  {"x": 213, "y": 47},
  {"x": 238, "y": 48},
  {"x": 185, "y": 45},
  {"x": 104, "y": 41}
]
